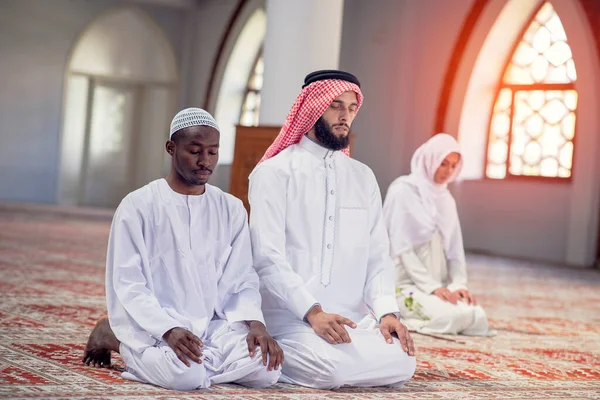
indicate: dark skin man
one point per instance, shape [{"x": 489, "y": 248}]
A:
[{"x": 194, "y": 155}]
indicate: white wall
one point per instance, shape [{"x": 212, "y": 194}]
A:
[
  {"x": 36, "y": 38},
  {"x": 400, "y": 50}
]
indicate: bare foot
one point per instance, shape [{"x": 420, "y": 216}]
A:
[{"x": 101, "y": 342}]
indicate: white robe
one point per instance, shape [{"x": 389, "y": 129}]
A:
[
  {"x": 318, "y": 237},
  {"x": 183, "y": 261},
  {"x": 426, "y": 244},
  {"x": 421, "y": 269}
]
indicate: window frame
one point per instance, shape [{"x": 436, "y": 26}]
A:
[
  {"x": 514, "y": 88},
  {"x": 249, "y": 90}
]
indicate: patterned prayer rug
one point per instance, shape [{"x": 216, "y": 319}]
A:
[{"x": 52, "y": 292}]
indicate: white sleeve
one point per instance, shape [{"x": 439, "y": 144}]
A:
[
  {"x": 418, "y": 272},
  {"x": 238, "y": 289},
  {"x": 379, "y": 289},
  {"x": 458, "y": 275},
  {"x": 457, "y": 265},
  {"x": 267, "y": 197},
  {"x": 400, "y": 219},
  {"x": 455, "y": 251},
  {"x": 126, "y": 255}
]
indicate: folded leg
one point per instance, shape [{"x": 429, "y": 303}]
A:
[
  {"x": 227, "y": 358},
  {"x": 367, "y": 361},
  {"x": 160, "y": 366}
]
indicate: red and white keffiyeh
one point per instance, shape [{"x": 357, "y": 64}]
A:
[{"x": 310, "y": 105}]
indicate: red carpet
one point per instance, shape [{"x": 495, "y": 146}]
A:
[{"x": 51, "y": 285}]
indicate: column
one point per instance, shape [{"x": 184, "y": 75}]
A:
[{"x": 302, "y": 36}]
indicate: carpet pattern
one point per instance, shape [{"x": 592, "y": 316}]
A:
[{"x": 51, "y": 293}]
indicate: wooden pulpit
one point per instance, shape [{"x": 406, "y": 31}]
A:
[{"x": 251, "y": 143}]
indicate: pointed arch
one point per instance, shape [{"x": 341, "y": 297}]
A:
[
  {"x": 124, "y": 43},
  {"x": 239, "y": 73},
  {"x": 532, "y": 127}
]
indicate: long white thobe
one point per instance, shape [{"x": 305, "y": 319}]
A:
[
  {"x": 317, "y": 237},
  {"x": 183, "y": 261}
]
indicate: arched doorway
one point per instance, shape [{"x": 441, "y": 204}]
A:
[{"x": 120, "y": 90}]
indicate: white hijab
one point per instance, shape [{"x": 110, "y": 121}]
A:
[{"x": 416, "y": 207}]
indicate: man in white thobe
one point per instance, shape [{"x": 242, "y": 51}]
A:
[
  {"x": 184, "y": 310},
  {"x": 321, "y": 249}
]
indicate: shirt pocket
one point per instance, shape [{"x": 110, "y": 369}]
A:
[{"x": 353, "y": 227}]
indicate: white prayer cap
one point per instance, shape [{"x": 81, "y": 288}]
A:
[{"x": 192, "y": 117}]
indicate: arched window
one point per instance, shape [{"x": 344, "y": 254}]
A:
[
  {"x": 532, "y": 127},
  {"x": 234, "y": 94},
  {"x": 251, "y": 104},
  {"x": 120, "y": 95}
]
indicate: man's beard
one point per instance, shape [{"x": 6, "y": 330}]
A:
[{"x": 328, "y": 139}]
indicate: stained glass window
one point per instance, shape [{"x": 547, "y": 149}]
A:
[
  {"x": 533, "y": 121},
  {"x": 251, "y": 104}
]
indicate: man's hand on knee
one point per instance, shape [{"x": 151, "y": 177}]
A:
[
  {"x": 389, "y": 325},
  {"x": 329, "y": 326},
  {"x": 185, "y": 344},
  {"x": 258, "y": 336}
]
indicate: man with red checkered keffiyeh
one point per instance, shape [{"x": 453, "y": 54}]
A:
[{"x": 321, "y": 250}]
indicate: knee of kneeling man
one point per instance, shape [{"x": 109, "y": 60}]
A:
[
  {"x": 329, "y": 381},
  {"x": 271, "y": 377},
  {"x": 329, "y": 378},
  {"x": 404, "y": 367},
  {"x": 188, "y": 378},
  {"x": 404, "y": 374},
  {"x": 409, "y": 366},
  {"x": 265, "y": 378}
]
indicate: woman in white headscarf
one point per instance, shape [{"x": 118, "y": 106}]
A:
[{"x": 427, "y": 246}]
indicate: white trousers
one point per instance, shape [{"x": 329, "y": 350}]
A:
[
  {"x": 225, "y": 359},
  {"x": 367, "y": 361},
  {"x": 443, "y": 316}
]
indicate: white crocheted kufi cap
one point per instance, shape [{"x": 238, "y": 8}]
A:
[{"x": 192, "y": 117}]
